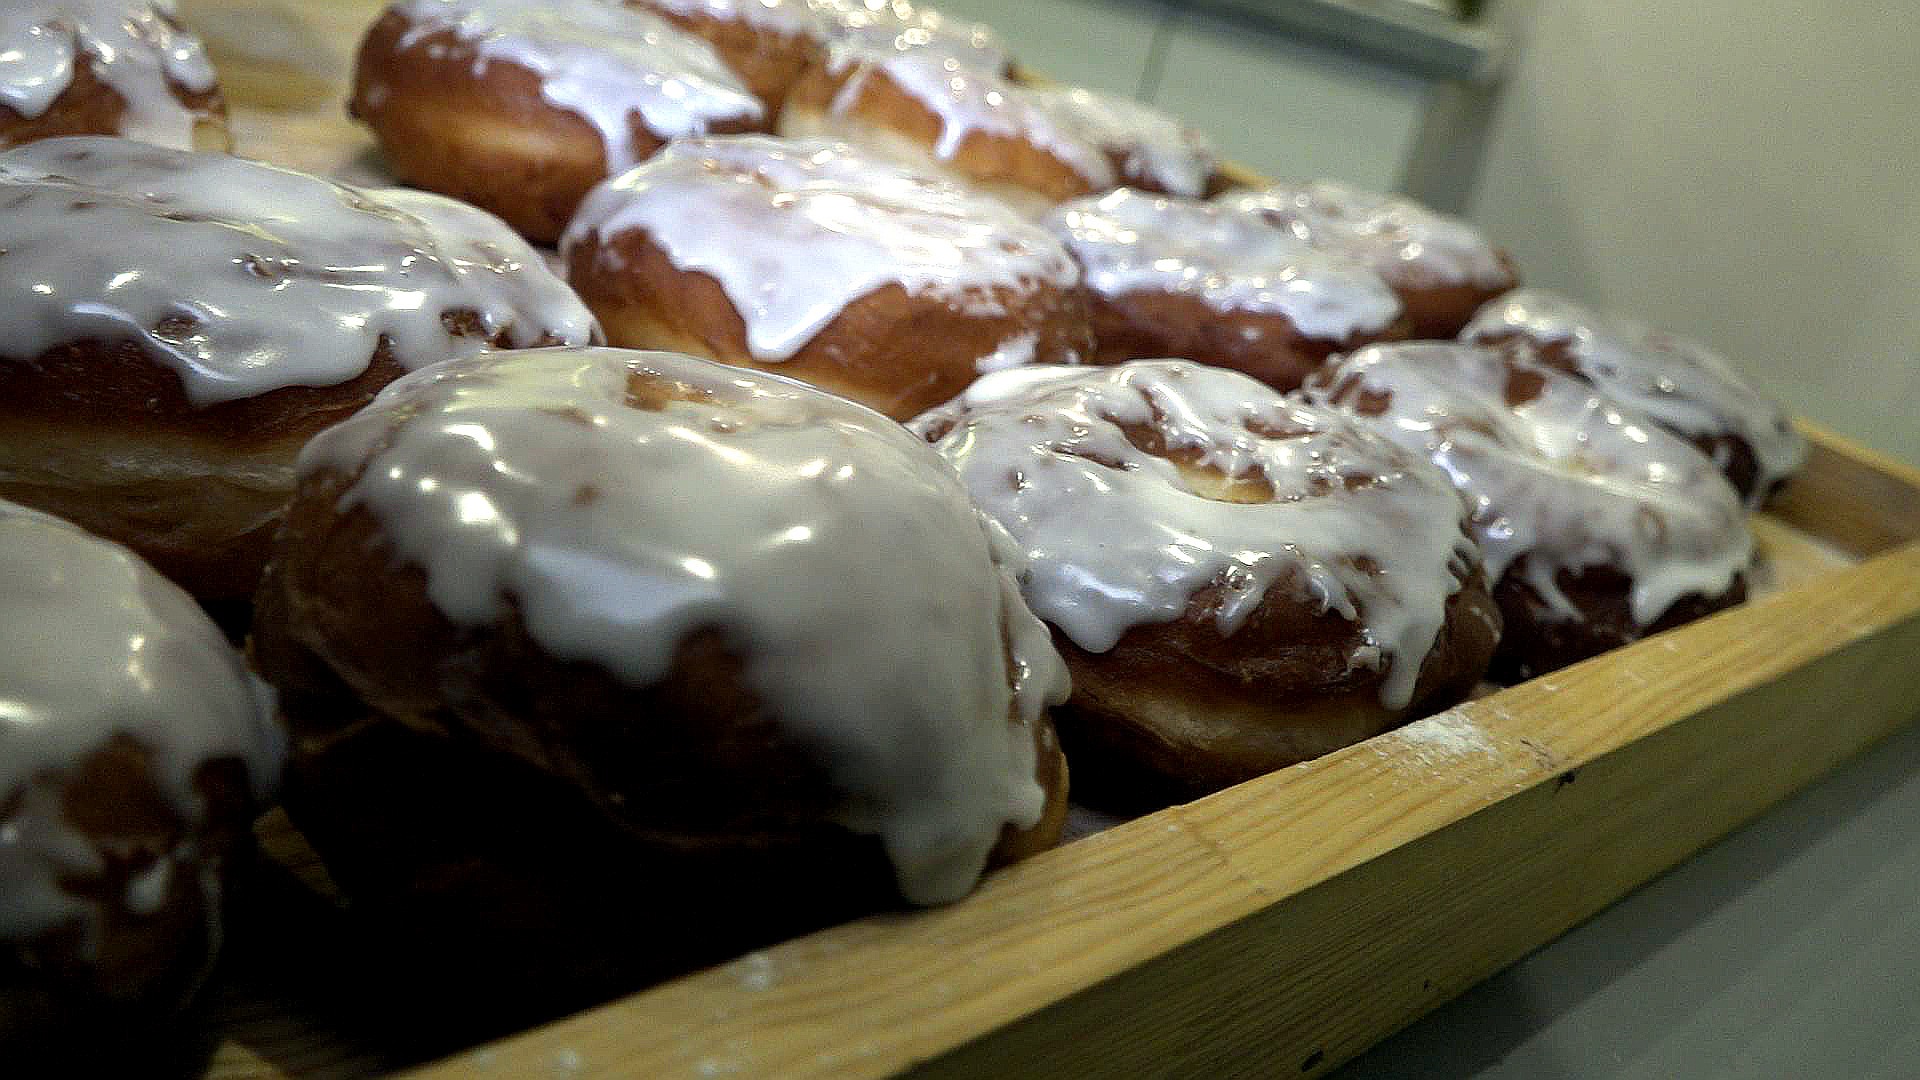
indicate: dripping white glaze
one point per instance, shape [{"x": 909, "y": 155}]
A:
[
  {"x": 796, "y": 229},
  {"x": 1569, "y": 479},
  {"x": 967, "y": 100},
  {"x": 599, "y": 60},
  {"x": 1117, "y": 537},
  {"x": 1128, "y": 241},
  {"x": 1683, "y": 385},
  {"x": 1149, "y": 146},
  {"x": 132, "y": 46},
  {"x": 856, "y": 24},
  {"x": 883, "y": 26},
  {"x": 1402, "y": 240},
  {"x": 1016, "y": 351},
  {"x": 830, "y": 547},
  {"x": 1105, "y": 140},
  {"x": 789, "y": 18},
  {"x": 288, "y": 279},
  {"x": 94, "y": 644}
]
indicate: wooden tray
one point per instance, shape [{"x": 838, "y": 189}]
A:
[{"x": 1279, "y": 927}]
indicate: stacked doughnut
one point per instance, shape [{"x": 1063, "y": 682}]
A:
[
  {"x": 106, "y": 67},
  {"x": 1684, "y": 386},
  {"x": 571, "y": 647},
  {"x": 174, "y": 326},
  {"x": 1237, "y": 581},
  {"x": 1598, "y": 527},
  {"x": 815, "y": 260},
  {"x": 135, "y": 749}
]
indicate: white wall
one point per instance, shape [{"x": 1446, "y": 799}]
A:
[
  {"x": 1744, "y": 170},
  {"x": 1289, "y": 109}
]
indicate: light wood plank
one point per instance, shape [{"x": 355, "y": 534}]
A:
[{"x": 1859, "y": 499}]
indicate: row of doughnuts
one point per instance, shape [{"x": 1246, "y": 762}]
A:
[
  {"x": 522, "y": 108},
  {"x": 554, "y": 625},
  {"x": 820, "y": 260}
]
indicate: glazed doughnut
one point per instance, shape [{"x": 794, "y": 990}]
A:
[
  {"x": 770, "y": 43},
  {"x": 898, "y": 26},
  {"x": 1032, "y": 148},
  {"x": 1598, "y": 527},
  {"x": 1237, "y": 582},
  {"x": 1179, "y": 277},
  {"x": 767, "y": 43},
  {"x": 598, "y": 607},
  {"x": 106, "y": 67},
  {"x": 173, "y": 327},
  {"x": 1146, "y": 148},
  {"x": 520, "y": 108},
  {"x": 1686, "y": 387},
  {"x": 812, "y": 259},
  {"x": 134, "y": 752},
  {"x": 1442, "y": 268}
]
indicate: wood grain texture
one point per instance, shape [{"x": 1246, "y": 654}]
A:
[{"x": 1273, "y": 929}]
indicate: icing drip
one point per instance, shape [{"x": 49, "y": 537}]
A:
[
  {"x": 600, "y": 60},
  {"x": 789, "y": 18},
  {"x": 1128, "y": 241},
  {"x": 751, "y": 509},
  {"x": 880, "y": 26},
  {"x": 245, "y": 278},
  {"x": 1401, "y": 239},
  {"x": 1151, "y": 146},
  {"x": 1118, "y": 537},
  {"x": 93, "y": 645},
  {"x": 1569, "y": 479},
  {"x": 796, "y": 229},
  {"x": 1014, "y": 352},
  {"x": 1105, "y": 140},
  {"x": 133, "y": 47},
  {"x": 1683, "y": 385},
  {"x": 967, "y": 100}
]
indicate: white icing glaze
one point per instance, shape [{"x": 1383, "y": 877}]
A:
[
  {"x": 828, "y": 545},
  {"x": 94, "y": 644},
  {"x": 130, "y": 45},
  {"x": 1117, "y": 537},
  {"x": 967, "y": 100},
  {"x": 293, "y": 280},
  {"x": 1016, "y": 351},
  {"x": 1399, "y": 238},
  {"x": 600, "y": 60},
  {"x": 1683, "y": 385},
  {"x": 1105, "y": 140},
  {"x": 1569, "y": 479},
  {"x": 1128, "y": 241},
  {"x": 796, "y": 229},
  {"x": 853, "y": 26},
  {"x": 1150, "y": 146},
  {"x": 789, "y": 18}
]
